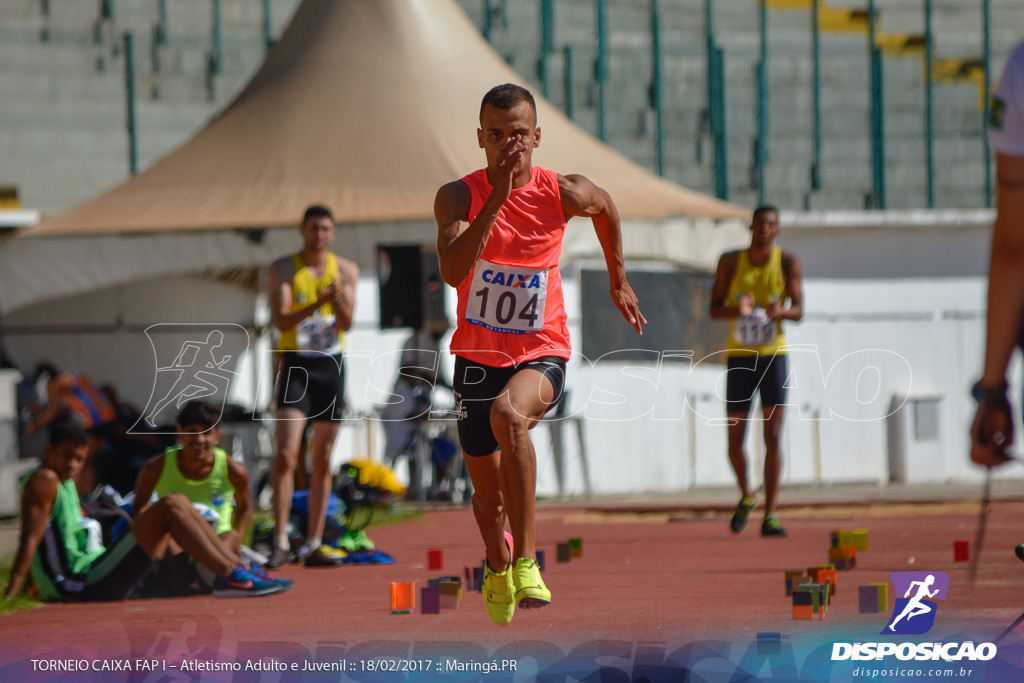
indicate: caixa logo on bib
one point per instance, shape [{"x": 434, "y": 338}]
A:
[{"x": 914, "y": 613}]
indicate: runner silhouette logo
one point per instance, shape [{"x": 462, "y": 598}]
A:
[{"x": 914, "y": 613}]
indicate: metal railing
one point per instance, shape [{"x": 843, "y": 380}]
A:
[{"x": 910, "y": 133}]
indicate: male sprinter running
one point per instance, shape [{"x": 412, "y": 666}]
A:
[
  {"x": 500, "y": 233},
  {"x": 750, "y": 290}
]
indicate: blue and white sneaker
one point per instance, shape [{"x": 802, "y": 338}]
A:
[
  {"x": 262, "y": 574},
  {"x": 242, "y": 584}
]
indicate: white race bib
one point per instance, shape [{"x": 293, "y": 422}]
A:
[
  {"x": 755, "y": 329},
  {"x": 507, "y": 298},
  {"x": 316, "y": 335}
]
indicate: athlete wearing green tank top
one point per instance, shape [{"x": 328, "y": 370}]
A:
[{"x": 202, "y": 472}]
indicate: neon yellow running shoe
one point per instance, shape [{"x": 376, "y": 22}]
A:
[
  {"x": 739, "y": 518},
  {"x": 530, "y": 589},
  {"x": 499, "y": 595},
  {"x": 333, "y": 553}
]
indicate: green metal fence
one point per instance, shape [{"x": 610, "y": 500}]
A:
[
  {"x": 814, "y": 104},
  {"x": 822, "y": 104}
]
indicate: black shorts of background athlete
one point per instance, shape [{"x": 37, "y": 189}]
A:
[
  {"x": 313, "y": 385},
  {"x": 750, "y": 374},
  {"x": 477, "y": 386}
]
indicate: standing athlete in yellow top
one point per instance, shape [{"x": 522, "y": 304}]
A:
[
  {"x": 751, "y": 289},
  {"x": 312, "y": 298}
]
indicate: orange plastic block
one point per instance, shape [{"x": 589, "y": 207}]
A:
[
  {"x": 803, "y": 612},
  {"x": 403, "y": 598},
  {"x": 825, "y": 576}
]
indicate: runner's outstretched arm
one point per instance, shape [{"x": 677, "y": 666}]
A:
[
  {"x": 580, "y": 197},
  {"x": 1005, "y": 302}
]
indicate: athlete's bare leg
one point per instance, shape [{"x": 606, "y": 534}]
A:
[
  {"x": 488, "y": 507},
  {"x": 324, "y": 434},
  {"x": 737, "y": 455},
  {"x": 772, "y": 456},
  {"x": 288, "y": 428},
  {"x": 173, "y": 517},
  {"x": 517, "y": 410}
]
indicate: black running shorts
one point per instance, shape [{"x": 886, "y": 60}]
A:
[
  {"x": 116, "y": 573},
  {"x": 313, "y": 385},
  {"x": 748, "y": 375},
  {"x": 477, "y": 386}
]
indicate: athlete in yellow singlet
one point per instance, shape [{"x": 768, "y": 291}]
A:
[
  {"x": 312, "y": 299},
  {"x": 751, "y": 289}
]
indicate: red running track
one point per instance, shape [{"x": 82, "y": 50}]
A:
[{"x": 641, "y": 578}]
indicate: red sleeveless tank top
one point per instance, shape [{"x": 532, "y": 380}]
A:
[{"x": 511, "y": 307}]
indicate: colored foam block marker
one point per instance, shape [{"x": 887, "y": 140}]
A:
[
  {"x": 576, "y": 547},
  {"x": 803, "y": 612},
  {"x": 478, "y": 579},
  {"x": 435, "y": 559},
  {"x": 961, "y": 551},
  {"x": 541, "y": 563},
  {"x": 803, "y": 598},
  {"x": 430, "y": 600},
  {"x": 843, "y": 552},
  {"x": 450, "y": 601},
  {"x": 843, "y": 557},
  {"x": 449, "y": 587},
  {"x": 855, "y": 537},
  {"x": 792, "y": 579},
  {"x": 403, "y": 598},
  {"x": 820, "y": 595},
  {"x": 883, "y": 596},
  {"x": 815, "y": 590},
  {"x": 826, "y": 576},
  {"x": 564, "y": 553},
  {"x": 867, "y": 598}
]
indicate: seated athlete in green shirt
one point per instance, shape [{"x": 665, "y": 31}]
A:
[{"x": 53, "y": 548}]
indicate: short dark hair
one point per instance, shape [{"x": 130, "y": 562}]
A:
[
  {"x": 200, "y": 413},
  {"x": 316, "y": 211},
  {"x": 765, "y": 208},
  {"x": 69, "y": 432},
  {"x": 506, "y": 96}
]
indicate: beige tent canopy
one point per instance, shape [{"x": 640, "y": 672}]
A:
[{"x": 367, "y": 106}]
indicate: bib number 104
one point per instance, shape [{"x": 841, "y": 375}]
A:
[
  {"x": 505, "y": 307},
  {"x": 508, "y": 299}
]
